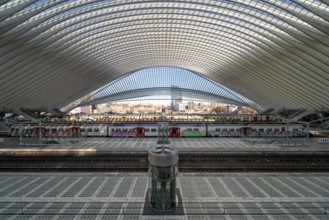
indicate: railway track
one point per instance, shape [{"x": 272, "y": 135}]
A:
[{"x": 187, "y": 163}]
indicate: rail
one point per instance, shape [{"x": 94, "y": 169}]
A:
[
  {"x": 48, "y": 141},
  {"x": 90, "y": 162},
  {"x": 278, "y": 141}
]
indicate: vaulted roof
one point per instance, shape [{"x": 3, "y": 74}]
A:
[{"x": 273, "y": 52}]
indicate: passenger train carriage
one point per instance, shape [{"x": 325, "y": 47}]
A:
[
  {"x": 90, "y": 130},
  {"x": 46, "y": 131},
  {"x": 151, "y": 130},
  {"x": 255, "y": 130}
]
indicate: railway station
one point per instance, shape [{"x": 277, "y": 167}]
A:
[{"x": 185, "y": 110}]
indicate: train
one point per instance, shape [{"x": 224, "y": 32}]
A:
[
  {"x": 176, "y": 118},
  {"x": 140, "y": 130}
]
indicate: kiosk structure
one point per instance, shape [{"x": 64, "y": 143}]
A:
[{"x": 163, "y": 160}]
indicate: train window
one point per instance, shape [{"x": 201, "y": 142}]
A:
[
  {"x": 147, "y": 130},
  {"x": 153, "y": 130},
  {"x": 238, "y": 129},
  {"x": 269, "y": 129},
  {"x": 189, "y": 129},
  {"x": 131, "y": 129},
  {"x": 276, "y": 129},
  {"x": 217, "y": 129},
  {"x": 231, "y": 129},
  {"x": 96, "y": 129},
  {"x": 89, "y": 130},
  {"x": 47, "y": 130},
  {"x": 60, "y": 129},
  {"x": 261, "y": 129},
  {"x": 118, "y": 129},
  {"x": 112, "y": 129},
  {"x": 224, "y": 129},
  {"x": 125, "y": 129},
  {"x": 196, "y": 129},
  {"x": 83, "y": 130}
]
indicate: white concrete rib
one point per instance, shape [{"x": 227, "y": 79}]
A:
[{"x": 275, "y": 53}]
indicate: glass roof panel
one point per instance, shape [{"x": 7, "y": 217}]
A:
[
  {"x": 163, "y": 77},
  {"x": 257, "y": 48}
]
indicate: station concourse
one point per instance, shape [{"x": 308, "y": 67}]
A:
[{"x": 262, "y": 156}]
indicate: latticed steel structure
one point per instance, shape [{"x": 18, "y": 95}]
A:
[
  {"x": 162, "y": 83},
  {"x": 273, "y": 52}
]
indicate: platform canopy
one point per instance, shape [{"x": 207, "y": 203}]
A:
[{"x": 275, "y": 52}]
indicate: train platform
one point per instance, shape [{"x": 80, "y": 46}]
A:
[
  {"x": 86, "y": 146},
  {"x": 120, "y": 196}
]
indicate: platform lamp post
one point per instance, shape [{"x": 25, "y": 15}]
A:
[
  {"x": 163, "y": 160},
  {"x": 20, "y": 134},
  {"x": 40, "y": 133},
  {"x": 288, "y": 122}
]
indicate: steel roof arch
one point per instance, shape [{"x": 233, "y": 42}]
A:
[{"x": 257, "y": 48}]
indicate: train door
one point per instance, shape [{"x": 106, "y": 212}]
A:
[
  {"x": 174, "y": 132},
  {"x": 53, "y": 131},
  {"x": 245, "y": 131},
  {"x": 60, "y": 131},
  {"x": 83, "y": 131},
  {"x": 89, "y": 131},
  {"x": 28, "y": 132},
  {"x": 267, "y": 118},
  {"x": 140, "y": 132},
  {"x": 47, "y": 132},
  {"x": 255, "y": 118},
  {"x": 74, "y": 131},
  {"x": 36, "y": 131}
]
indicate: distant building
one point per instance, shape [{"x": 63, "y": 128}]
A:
[
  {"x": 102, "y": 108},
  {"x": 176, "y": 96},
  {"x": 179, "y": 107},
  {"x": 84, "y": 109},
  {"x": 178, "y": 100},
  {"x": 190, "y": 105}
]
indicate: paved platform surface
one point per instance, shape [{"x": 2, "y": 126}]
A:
[
  {"x": 183, "y": 144},
  {"x": 99, "y": 145},
  {"x": 250, "y": 196}
]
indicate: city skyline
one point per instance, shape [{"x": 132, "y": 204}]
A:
[{"x": 139, "y": 107}]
